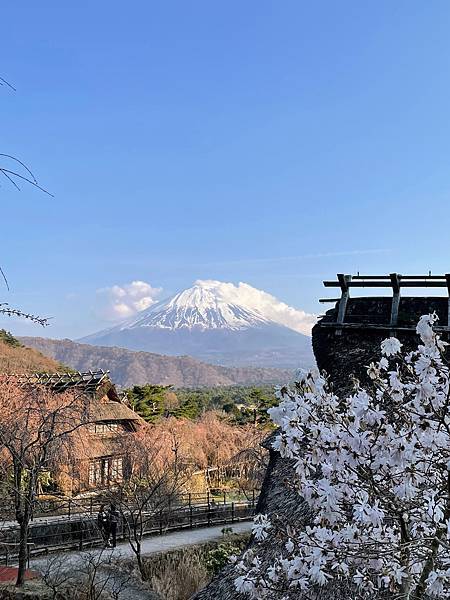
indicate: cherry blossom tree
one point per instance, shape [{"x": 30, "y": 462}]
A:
[
  {"x": 37, "y": 429},
  {"x": 374, "y": 469},
  {"x": 155, "y": 477}
]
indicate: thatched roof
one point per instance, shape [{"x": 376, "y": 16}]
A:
[
  {"x": 107, "y": 405},
  {"x": 102, "y": 446},
  {"x": 113, "y": 411}
]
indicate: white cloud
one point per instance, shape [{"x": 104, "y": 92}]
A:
[
  {"x": 122, "y": 301},
  {"x": 265, "y": 303}
]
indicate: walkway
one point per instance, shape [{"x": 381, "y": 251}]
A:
[
  {"x": 153, "y": 544},
  {"x": 72, "y": 561}
]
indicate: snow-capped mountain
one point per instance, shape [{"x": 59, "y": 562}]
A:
[
  {"x": 217, "y": 322},
  {"x": 199, "y": 307}
]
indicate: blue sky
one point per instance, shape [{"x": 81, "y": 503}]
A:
[{"x": 274, "y": 143}]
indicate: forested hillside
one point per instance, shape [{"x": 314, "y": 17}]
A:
[
  {"x": 128, "y": 368},
  {"x": 17, "y": 358}
]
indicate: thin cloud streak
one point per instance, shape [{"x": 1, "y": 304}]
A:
[{"x": 298, "y": 257}]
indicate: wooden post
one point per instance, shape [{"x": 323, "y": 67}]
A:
[
  {"x": 232, "y": 512},
  {"x": 80, "y": 544},
  {"x": 343, "y": 282},
  {"x": 395, "y": 283},
  {"x": 447, "y": 280}
]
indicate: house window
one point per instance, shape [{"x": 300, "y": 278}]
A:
[
  {"x": 117, "y": 469},
  {"x": 104, "y": 428},
  {"x": 105, "y": 471}
]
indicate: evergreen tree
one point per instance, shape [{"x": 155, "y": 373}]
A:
[
  {"x": 150, "y": 401},
  {"x": 7, "y": 338}
]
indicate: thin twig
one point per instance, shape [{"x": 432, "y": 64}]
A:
[
  {"x": 4, "y": 277},
  {"x": 21, "y": 164},
  {"x": 4, "y": 82},
  {"x": 5, "y": 309},
  {"x": 30, "y": 181}
]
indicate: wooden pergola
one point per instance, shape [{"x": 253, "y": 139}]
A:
[
  {"x": 88, "y": 381},
  {"x": 395, "y": 282}
]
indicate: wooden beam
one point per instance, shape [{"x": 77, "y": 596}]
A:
[
  {"x": 447, "y": 280},
  {"x": 344, "y": 281},
  {"x": 432, "y": 283},
  {"x": 369, "y": 277},
  {"x": 340, "y": 326},
  {"x": 395, "y": 282}
]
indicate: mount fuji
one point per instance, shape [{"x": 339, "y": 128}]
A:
[{"x": 219, "y": 323}]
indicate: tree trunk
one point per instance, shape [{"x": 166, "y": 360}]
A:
[
  {"x": 139, "y": 559},
  {"x": 23, "y": 553},
  {"x": 26, "y": 501}
]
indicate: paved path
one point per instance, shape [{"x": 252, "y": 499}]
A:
[
  {"x": 157, "y": 543},
  {"x": 73, "y": 561}
]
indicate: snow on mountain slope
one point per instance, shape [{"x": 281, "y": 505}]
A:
[
  {"x": 203, "y": 306},
  {"x": 220, "y": 323}
]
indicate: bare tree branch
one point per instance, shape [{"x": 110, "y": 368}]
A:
[
  {"x": 4, "y": 82},
  {"x": 5, "y": 309},
  {"x": 9, "y": 174},
  {"x": 4, "y": 277}
]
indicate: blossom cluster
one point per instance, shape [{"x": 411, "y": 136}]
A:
[{"x": 374, "y": 469}]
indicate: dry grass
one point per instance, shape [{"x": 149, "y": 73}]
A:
[
  {"x": 179, "y": 574},
  {"x": 179, "y": 577},
  {"x": 25, "y": 360}
]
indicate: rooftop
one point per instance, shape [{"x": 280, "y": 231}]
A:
[{"x": 87, "y": 382}]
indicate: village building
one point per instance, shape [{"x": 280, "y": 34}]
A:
[{"x": 97, "y": 463}]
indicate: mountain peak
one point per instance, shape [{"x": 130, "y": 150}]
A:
[
  {"x": 218, "y": 322},
  {"x": 205, "y": 305}
]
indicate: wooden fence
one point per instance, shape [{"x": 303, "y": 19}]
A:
[
  {"x": 74, "y": 507},
  {"x": 82, "y": 532}
]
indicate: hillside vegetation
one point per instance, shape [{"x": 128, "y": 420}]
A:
[
  {"x": 242, "y": 404},
  {"x": 17, "y": 358},
  {"x": 128, "y": 367}
]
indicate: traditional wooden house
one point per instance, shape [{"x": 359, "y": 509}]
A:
[{"x": 97, "y": 461}]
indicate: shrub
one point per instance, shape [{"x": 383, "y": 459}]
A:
[
  {"x": 178, "y": 574},
  {"x": 7, "y": 338}
]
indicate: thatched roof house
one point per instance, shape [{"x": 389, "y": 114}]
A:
[{"x": 98, "y": 463}]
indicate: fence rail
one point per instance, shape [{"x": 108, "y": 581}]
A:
[
  {"x": 73, "y": 507},
  {"x": 82, "y": 532},
  {"x": 396, "y": 282}
]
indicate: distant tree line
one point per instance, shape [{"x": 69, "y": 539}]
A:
[{"x": 242, "y": 404}]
